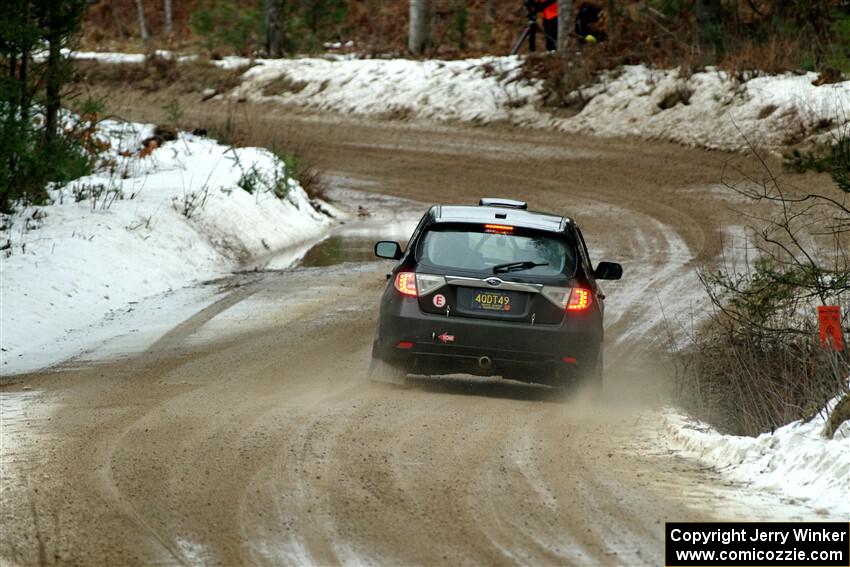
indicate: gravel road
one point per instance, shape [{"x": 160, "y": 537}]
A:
[{"x": 264, "y": 443}]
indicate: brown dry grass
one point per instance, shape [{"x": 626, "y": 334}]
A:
[
  {"x": 775, "y": 56},
  {"x": 157, "y": 74},
  {"x": 745, "y": 383}
]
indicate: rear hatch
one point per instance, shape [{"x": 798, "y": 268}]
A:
[{"x": 495, "y": 272}]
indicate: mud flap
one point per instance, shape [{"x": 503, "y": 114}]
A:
[{"x": 385, "y": 373}]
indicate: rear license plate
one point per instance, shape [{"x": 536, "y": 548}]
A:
[{"x": 488, "y": 300}]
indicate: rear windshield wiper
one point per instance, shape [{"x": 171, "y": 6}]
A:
[{"x": 517, "y": 266}]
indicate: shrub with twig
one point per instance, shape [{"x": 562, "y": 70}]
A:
[{"x": 758, "y": 362}]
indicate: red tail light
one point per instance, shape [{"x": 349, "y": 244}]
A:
[
  {"x": 579, "y": 299},
  {"x": 404, "y": 345},
  {"x": 405, "y": 283}
]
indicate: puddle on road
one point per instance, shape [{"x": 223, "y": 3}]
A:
[
  {"x": 347, "y": 249},
  {"x": 371, "y": 217},
  {"x": 338, "y": 249}
]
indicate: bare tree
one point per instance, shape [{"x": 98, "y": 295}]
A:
[
  {"x": 377, "y": 14},
  {"x": 53, "y": 84},
  {"x": 780, "y": 11},
  {"x": 143, "y": 30},
  {"x": 420, "y": 24},
  {"x": 707, "y": 13},
  {"x": 119, "y": 28},
  {"x": 490, "y": 12},
  {"x": 169, "y": 21},
  {"x": 565, "y": 24},
  {"x": 61, "y": 19},
  {"x": 274, "y": 28}
]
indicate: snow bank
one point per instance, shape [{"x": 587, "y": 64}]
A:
[
  {"x": 472, "y": 90},
  {"x": 137, "y": 227},
  {"x": 711, "y": 110},
  {"x": 795, "y": 461},
  {"x": 706, "y": 109}
]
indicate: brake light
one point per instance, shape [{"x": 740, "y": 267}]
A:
[
  {"x": 404, "y": 345},
  {"x": 579, "y": 299},
  {"x": 498, "y": 228},
  {"x": 405, "y": 283}
]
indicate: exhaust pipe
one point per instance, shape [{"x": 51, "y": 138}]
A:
[{"x": 484, "y": 363}]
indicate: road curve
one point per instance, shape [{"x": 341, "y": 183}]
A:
[{"x": 267, "y": 445}]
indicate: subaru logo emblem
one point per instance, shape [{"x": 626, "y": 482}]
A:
[{"x": 494, "y": 282}]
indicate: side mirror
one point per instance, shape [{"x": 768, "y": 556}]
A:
[
  {"x": 608, "y": 271},
  {"x": 388, "y": 249}
]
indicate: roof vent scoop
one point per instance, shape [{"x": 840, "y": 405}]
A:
[{"x": 506, "y": 203}]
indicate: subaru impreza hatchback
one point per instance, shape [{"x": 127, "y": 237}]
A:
[{"x": 492, "y": 290}]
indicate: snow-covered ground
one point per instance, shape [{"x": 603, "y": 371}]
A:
[
  {"x": 795, "y": 462},
  {"x": 707, "y": 109},
  {"x": 139, "y": 227}
]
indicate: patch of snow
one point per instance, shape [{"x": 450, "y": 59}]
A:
[
  {"x": 291, "y": 551},
  {"x": 122, "y": 332},
  {"x": 230, "y": 62},
  {"x": 122, "y": 234},
  {"x": 795, "y": 461},
  {"x": 192, "y": 552},
  {"x": 117, "y": 57}
]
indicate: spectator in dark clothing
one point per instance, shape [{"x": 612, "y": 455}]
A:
[{"x": 588, "y": 22}]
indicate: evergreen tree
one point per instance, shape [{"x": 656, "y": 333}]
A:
[{"x": 32, "y": 149}]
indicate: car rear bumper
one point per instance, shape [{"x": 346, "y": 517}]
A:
[{"x": 436, "y": 344}]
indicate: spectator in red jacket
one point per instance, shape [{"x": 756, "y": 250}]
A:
[{"x": 549, "y": 10}]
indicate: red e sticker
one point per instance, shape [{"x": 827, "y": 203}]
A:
[{"x": 439, "y": 300}]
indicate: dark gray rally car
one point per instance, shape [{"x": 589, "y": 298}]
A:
[{"x": 493, "y": 290}]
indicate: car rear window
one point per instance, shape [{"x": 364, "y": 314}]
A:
[{"x": 479, "y": 251}]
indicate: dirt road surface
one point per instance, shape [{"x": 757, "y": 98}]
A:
[{"x": 249, "y": 434}]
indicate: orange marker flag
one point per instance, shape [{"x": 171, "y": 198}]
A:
[{"x": 829, "y": 318}]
